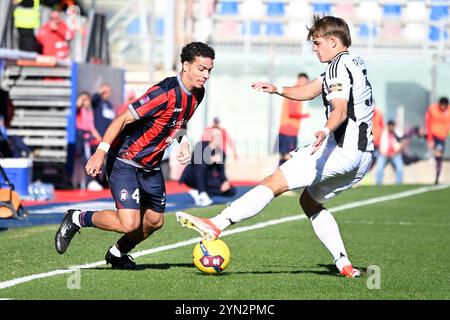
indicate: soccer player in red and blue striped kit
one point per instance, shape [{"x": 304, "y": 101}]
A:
[{"x": 133, "y": 147}]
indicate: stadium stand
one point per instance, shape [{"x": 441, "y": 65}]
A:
[
  {"x": 383, "y": 21},
  {"x": 321, "y": 8}
]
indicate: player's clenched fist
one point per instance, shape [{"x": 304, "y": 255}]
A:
[{"x": 184, "y": 153}]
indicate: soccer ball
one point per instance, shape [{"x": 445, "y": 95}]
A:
[{"x": 211, "y": 256}]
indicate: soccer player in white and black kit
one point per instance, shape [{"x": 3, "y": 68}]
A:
[{"x": 339, "y": 157}]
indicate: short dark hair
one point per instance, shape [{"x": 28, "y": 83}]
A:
[
  {"x": 196, "y": 49},
  {"x": 327, "y": 26},
  {"x": 443, "y": 100},
  {"x": 302, "y": 74}
]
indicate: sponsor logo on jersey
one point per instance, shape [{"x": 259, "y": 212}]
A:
[
  {"x": 176, "y": 123},
  {"x": 144, "y": 100},
  {"x": 177, "y": 109},
  {"x": 335, "y": 87}
]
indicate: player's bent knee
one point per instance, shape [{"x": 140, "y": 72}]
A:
[
  {"x": 129, "y": 220},
  {"x": 157, "y": 225},
  {"x": 153, "y": 220},
  {"x": 276, "y": 182},
  {"x": 128, "y": 227},
  {"x": 309, "y": 205}
]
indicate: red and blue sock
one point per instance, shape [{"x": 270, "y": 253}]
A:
[{"x": 85, "y": 219}]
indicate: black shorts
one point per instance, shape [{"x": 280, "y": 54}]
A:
[
  {"x": 286, "y": 143},
  {"x": 439, "y": 145},
  {"x": 135, "y": 188}
]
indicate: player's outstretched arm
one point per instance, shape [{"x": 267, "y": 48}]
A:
[
  {"x": 302, "y": 93},
  {"x": 95, "y": 163}
]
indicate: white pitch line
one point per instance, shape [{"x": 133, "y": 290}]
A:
[{"x": 404, "y": 194}]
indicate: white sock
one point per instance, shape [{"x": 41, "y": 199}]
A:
[
  {"x": 327, "y": 231},
  {"x": 342, "y": 262},
  {"x": 247, "y": 206},
  {"x": 76, "y": 218},
  {"x": 115, "y": 252}
]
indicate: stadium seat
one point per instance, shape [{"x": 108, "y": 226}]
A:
[
  {"x": 436, "y": 34},
  {"x": 415, "y": 31},
  {"x": 438, "y": 12},
  {"x": 391, "y": 30},
  {"x": 255, "y": 28},
  {"x": 159, "y": 27},
  {"x": 226, "y": 29},
  {"x": 344, "y": 10},
  {"x": 252, "y": 9},
  {"x": 322, "y": 8},
  {"x": 415, "y": 11},
  {"x": 365, "y": 31},
  {"x": 299, "y": 13},
  {"x": 275, "y": 8},
  {"x": 392, "y": 10},
  {"x": 296, "y": 30},
  {"x": 299, "y": 10},
  {"x": 369, "y": 12},
  {"x": 274, "y": 29},
  {"x": 228, "y": 7},
  {"x": 390, "y": 27},
  {"x": 133, "y": 27}
]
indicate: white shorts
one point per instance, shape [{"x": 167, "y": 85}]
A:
[{"x": 326, "y": 173}]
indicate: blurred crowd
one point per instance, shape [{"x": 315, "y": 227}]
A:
[{"x": 53, "y": 37}]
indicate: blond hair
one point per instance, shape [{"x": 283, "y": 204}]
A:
[{"x": 328, "y": 26}]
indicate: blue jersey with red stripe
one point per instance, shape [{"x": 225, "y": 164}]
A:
[{"x": 160, "y": 114}]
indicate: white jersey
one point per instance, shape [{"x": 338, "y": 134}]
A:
[{"x": 346, "y": 78}]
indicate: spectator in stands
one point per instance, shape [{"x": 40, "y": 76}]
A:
[
  {"x": 87, "y": 138},
  {"x": 103, "y": 116},
  {"x": 131, "y": 96},
  {"x": 390, "y": 151},
  {"x": 63, "y": 5},
  {"x": 206, "y": 172},
  {"x": 5, "y": 145},
  {"x": 54, "y": 37},
  {"x": 85, "y": 119},
  {"x": 437, "y": 123},
  {"x": 26, "y": 19},
  {"x": 11, "y": 146},
  {"x": 6, "y": 115},
  {"x": 377, "y": 129},
  {"x": 103, "y": 108},
  {"x": 291, "y": 114},
  {"x": 226, "y": 139}
]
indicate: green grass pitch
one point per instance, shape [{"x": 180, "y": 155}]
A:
[{"x": 406, "y": 239}]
